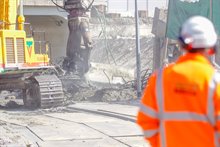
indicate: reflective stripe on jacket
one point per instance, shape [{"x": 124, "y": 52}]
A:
[{"x": 180, "y": 106}]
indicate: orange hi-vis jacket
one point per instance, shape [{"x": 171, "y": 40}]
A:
[{"x": 180, "y": 106}]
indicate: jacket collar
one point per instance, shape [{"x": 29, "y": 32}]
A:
[{"x": 198, "y": 57}]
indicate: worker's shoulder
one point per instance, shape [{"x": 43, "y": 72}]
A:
[
  {"x": 163, "y": 68},
  {"x": 170, "y": 65},
  {"x": 160, "y": 70}
]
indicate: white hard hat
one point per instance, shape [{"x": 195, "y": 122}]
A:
[{"x": 199, "y": 32}]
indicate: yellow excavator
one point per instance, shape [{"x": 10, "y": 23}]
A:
[{"x": 23, "y": 61}]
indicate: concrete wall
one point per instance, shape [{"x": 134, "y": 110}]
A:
[
  {"x": 56, "y": 30},
  {"x": 60, "y": 2},
  {"x": 42, "y": 2}
]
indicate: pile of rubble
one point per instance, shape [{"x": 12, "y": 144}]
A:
[{"x": 78, "y": 88}]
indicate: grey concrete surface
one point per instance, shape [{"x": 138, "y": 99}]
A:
[
  {"x": 134, "y": 141},
  {"x": 72, "y": 128},
  {"x": 103, "y": 142},
  {"x": 81, "y": 117},
  {"x": 128, "y": 110},
  {"x": 65, "y": 131},
  {"x": 117, "y": 128}
]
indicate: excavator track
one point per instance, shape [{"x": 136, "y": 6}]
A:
[
  {"x": 43, "y": 91},
  {"x": 50, "y": 91}
]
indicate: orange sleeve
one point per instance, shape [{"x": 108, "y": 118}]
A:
[{"x": 147, "y": 115}]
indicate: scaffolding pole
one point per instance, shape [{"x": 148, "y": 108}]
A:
[{"x": 138, "y": 52}]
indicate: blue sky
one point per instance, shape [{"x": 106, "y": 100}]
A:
[{"x": 121, "y": 5}]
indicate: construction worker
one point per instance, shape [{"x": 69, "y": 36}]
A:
[{"x": 180, "y": 106}]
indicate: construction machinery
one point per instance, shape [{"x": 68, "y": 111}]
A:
[
  {"x": 24, "y": 60},
  {"x": 79, "y": 43}
]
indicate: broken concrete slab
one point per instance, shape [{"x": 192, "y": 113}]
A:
[
  {"x": 22, "y": 119},
  {"x": 16, "y": 136}
]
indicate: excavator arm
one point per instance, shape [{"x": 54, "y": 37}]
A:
[
  {"x": 8, "y": 14},
  {"x": 79, "y": 43}
]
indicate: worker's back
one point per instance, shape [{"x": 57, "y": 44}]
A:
[
  {"x": 180, "y": 106},
  {"x": 185, "y": 102}
]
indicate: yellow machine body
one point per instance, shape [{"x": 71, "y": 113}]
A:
[{"x": 17, "y": 51}]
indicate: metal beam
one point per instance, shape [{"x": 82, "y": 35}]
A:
[{"x": 138, "y": 52}]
